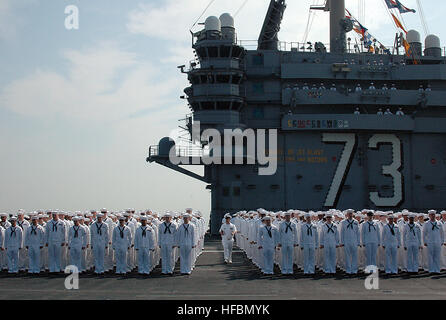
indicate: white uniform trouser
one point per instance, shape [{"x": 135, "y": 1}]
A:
[
  {"x": 268, "y": 259},
  {"x": 227, "y": 248},
  {"x": 434, "y": 251},
  {"x": 391, "y": 259},
  {"x": 23, "y": 259},
  {"x": 330, "y": 259},
  {"x": 84, "y": 260},
  {"x": 76, "y": 257},
  {"x": 121, "y": 259},
  {"x": 54, "y": 256},
  {"x": 185, "y": 258},
  {"x": 167, "y": 258},
  {"x": 287, "y": 258},
  {"x": 351, "y": 258},
  {"x": 412, "y": 257},
  {"x": 34, "y": 259},
  {"x": 3, "y": 260},
  {"x": 371, "y": 250},
  {"x": 107, "y": 259},
  {"x": 309, "y": 259},
  {"x": 99, "y": 255},
  {"x": 144, "y": 260},
  {"x": 13, "y": 260}
]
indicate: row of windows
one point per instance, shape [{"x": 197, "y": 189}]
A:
[
  {"x": 216, "y": 105},
  {"x": 216, "y": 78},
  {"x": 220, "y": 52}
]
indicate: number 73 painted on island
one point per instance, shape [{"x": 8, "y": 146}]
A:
[{"x": 393, "y": 170}]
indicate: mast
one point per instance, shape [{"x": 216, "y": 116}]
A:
[
  {"x": 337, "y": 26},
  {"x": 268, "y": 39}
]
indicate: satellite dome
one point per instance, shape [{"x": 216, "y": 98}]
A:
[
  {"x": 432, "y": 41},
  {"x": 227, "y": 20},
  {"x": 212, "y": 24},
  {"x": 413, "y": 36}
]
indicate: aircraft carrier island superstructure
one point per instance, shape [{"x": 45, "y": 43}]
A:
[{"x": 338, "y": 145}]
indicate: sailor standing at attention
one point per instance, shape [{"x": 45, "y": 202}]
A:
[
  {"x": 433, "y": 239},
  {"x": 391, "y": 242},
  {"x": 77, "y": 243},
  {"x": 186, "y": 241},
  {"x": 329, "y": 240},
  {"x": 166, "y": 232},
  {"x": 121, "y": 241},
  {"x": 144, "y": 245},
  {"x": 350, "y": 240},
  {"x": 56, "y": 238},
  {"x": 34, "y": 242},
  {"x": 412, "y": 244},
  {"x": 13, "y": 244},
  {"x": 99, "y": 233},
  {"x": 24, "y": 225},
  {"x": 309, "y": 241},
  {"x": 227, "y": 232},
  {"x": 268, "y": 239},
  {"x": 288, "y": 240},
  {"x": 370, "y": 239}
]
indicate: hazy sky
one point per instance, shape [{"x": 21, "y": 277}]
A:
[{"x": 79, "y": 108}]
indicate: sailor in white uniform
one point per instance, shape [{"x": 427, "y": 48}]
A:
[
  {"x": 56, "y": 238},
  {"x": 185, "y": 239},
  {"x": 412, "y": 244},
  {"x": 99, "y": 233},
  {"x": 144, "y": 246},
  {"x": 77, "y": 243},
  {"x": 268, "y": 239},
  {"x": 391, "y": 242},
  {"x": 34, "y": 243},
  {"x": 309, "y": 242},
  {"x": 121, "y": 242},
  {"x": 5, "y": 224},
  {"x": 370, "y": 239},
  {"x": 350, "y": 240},
  {"x": 13, "y": 244},
  {"x": 166, "y": 233},
  {"x": 23, "y": 254},
  {"x": 227, "y": 232},
  {"x": 433, "y": 239},
  {"x": 288, "y": 240},
  {"x": 329, "y": 242}
]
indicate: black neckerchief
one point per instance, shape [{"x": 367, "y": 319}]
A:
[
  {"x": 392, "y": 229},
  {"x": 21, "y": 224},
  {"x": 350, "y": 224},
  {"x": 99, "y": 228},
  {"x": 76, "y": 231},
  {"x": 309, "y": 230},
  {"x": 34, "y": 230},
  {"x": 121, "y": 231},
  {"x": 412, "y": 228},
  {"x": 144, "y": 231},
  {"x": 54, "y": 226},
  {"x": 167, "y": 228},
  {"x": 434, "y": 225},
  {"x": 268, "y": 229},
  {"x": 187, "y": 229},
  {"x": 13, "y": 230},
  {"x": 330, "y": 228},
  {"x": 370, "y": 226},
  {"x": 288, "y": 226}
]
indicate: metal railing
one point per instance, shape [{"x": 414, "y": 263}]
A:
[
  {"x": 307, "y": 47},
  {"x": 180, "y": 151}
]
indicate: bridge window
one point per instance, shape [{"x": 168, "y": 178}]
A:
[
  {"x": 213, "y": 52},
  {"x": 225, "y": 51}
]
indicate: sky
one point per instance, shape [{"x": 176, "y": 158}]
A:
[{"x": 79, "y": 108}]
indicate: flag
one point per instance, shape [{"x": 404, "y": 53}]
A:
[
  {"x": 398, "y": 23},
  {"x": 395, "y": 4}
]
